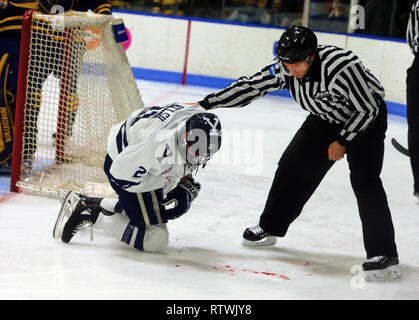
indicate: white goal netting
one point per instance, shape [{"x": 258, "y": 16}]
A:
[{"x": 79, "y": 84}]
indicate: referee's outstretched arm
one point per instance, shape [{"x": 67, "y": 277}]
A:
[{"x": 247, "y": 89}]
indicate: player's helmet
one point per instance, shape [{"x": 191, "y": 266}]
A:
[
  {"x": 201, "y": 138},
  {"x": 296, "y": 44}
]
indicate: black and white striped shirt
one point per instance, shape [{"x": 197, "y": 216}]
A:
[
  {"x": 337, "y": 88},
  {"x": 412, "y": 34}
]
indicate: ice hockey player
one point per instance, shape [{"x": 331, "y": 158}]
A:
[
  {"x": 150, "y": 161},
  {"x": 347, "y": 115}
]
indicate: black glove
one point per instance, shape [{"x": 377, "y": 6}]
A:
[{"x": 182, "y": 196}]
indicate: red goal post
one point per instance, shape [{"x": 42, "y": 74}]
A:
[{"x": 75, "y": 83}]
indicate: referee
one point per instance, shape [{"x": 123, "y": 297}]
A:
[
  {"x": 412, "y": 96},
  {"x": 347, "y": 115}
]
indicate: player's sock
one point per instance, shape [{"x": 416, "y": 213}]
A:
[{"x": 110, "y": 206}]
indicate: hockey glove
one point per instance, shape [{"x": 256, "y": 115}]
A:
[{"x": 182, "y": 196}]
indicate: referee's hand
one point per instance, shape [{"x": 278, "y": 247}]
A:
[{"x": 336, "y": 151}]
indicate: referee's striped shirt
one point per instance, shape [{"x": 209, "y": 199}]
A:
[
  {"x": 412, "y": 34},
  {"x": 337, "y": 88}
]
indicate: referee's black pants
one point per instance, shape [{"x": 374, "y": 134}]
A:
[
  {"x": 305, "y": 162},
  {"x": 412, "y": 99}
]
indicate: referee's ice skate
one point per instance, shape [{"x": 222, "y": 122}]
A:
[
  {"x": 257, "y": 237},
  {"x": 381, "y": 268}
]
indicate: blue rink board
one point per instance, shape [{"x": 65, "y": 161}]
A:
[{"x": 4, "y": 185}]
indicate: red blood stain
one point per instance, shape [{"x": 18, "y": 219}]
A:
[
  {"x": 271, "y": 274},
  {"x": 6, "y": 197}
]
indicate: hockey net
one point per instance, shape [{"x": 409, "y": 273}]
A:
[{"x": 75, "y": 83}]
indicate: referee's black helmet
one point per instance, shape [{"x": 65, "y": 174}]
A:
[{"x": 296, "y": 44}]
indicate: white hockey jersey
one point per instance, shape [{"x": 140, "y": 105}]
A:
[{"x": 143, "y": 148}]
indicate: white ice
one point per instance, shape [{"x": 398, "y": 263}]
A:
[{"x": 319, "y": 258}]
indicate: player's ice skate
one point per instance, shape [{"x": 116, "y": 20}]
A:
[
  {"x": 257, "y": 237},
  {"x": 381, "y": 268},
  {"x": 76, "y": 214},
  {"x": 68, "y": 201}
]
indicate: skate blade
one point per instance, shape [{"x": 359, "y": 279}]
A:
[
  {"x": 88, "y": 229},
  {"x": 266, "y": 242},
  {"x": 67, "y": 207},
  {"x": 62, "y": 195},
  {"x": 390, "y": 273}
]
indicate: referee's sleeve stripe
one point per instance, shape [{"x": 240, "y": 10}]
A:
[
  {"x": 233, "y": 91},
  {"x": 354, "y": 122},
  {"x": 341, "y": 88},
  {"x": 237, "y": 97},
  {"x": 358, "y": 74},
  {"x": 358, "y": 122},
  {"x": 351, "y": 124},
  {"x": 360, "y": 90},
  {"x": 241, "y": 82},
  {"x": 259, "y": 80},
  {"x": 246, "y": 89},
  {"x": 374, "y": 81},
  {"x": 243, "y": 87},
  {"x": 249, "y": 99}
]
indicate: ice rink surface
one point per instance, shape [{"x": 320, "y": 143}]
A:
[{"x": 319, "y": 258}]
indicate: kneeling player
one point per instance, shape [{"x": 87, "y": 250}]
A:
[{"x": 150, "y": 160}]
